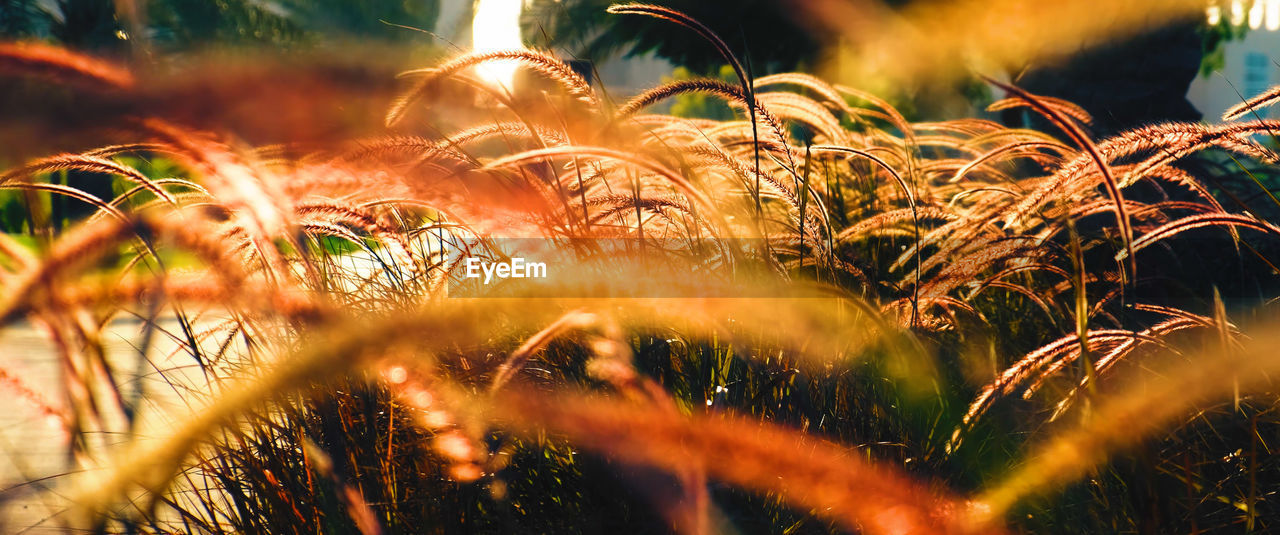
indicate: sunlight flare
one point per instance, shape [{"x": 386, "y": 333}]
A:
[{"x": 496, "y": 27}]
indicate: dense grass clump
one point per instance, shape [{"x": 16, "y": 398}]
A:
[{"x": 813, "y": 317}]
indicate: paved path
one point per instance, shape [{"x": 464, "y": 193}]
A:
[{"x": 33, "y": 445}]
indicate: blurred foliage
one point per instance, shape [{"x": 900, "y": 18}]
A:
[
  {"x": 13, "y": 211},
  {"x": 1214, "y": 37},
  {"x": 700, "y": 105},
  {"x": 162, "y": 28},
  {"x": 177, "y": 24},
  {"x": 23, "y": 18},
  {"x": 287, "y": 23}
]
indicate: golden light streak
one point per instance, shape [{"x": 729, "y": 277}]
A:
[{"x": 933, "y": 41}]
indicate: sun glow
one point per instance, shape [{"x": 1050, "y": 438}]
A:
[
  {"x": 496, "y": 27},
  {"x": 1257, "y": 14}
]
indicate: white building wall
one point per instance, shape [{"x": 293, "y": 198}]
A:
[
  {"x": 454, "y": 22},
  {"x": 1250, "y": 68}
]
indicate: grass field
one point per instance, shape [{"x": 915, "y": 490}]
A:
[{"x": 813, "y": 317}]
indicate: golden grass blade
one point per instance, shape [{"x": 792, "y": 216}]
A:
[
  {"x": 701, "y": 29},
  {"x": 803, "y": 471},
  {"x": 1069, "y": 109},
  {"x": 62, "y": 65},
  {"x": 1082, "y": 140},
  {"x": 679, "y": 182},
  {"x": 1252, "y": 105},
  {"x": 1200, "y": 221},
  {"x": 74, "y": 193},
  {"x": 92, "y": 164},
  {"x": 1145, "y": 406},
  {"x": 542, "y": 62},
  {"x": 517, "y": 359}
]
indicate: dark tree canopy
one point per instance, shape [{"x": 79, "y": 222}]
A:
[
  {"x": 765, "y": 31},
  {"x": 1135, "y": 81},
  {"x": 181, "y": 24},
  {"x": 288, "y": 22},
  {"x": 22, "y": 18},
  {"x": 1125, "y": 83}
]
